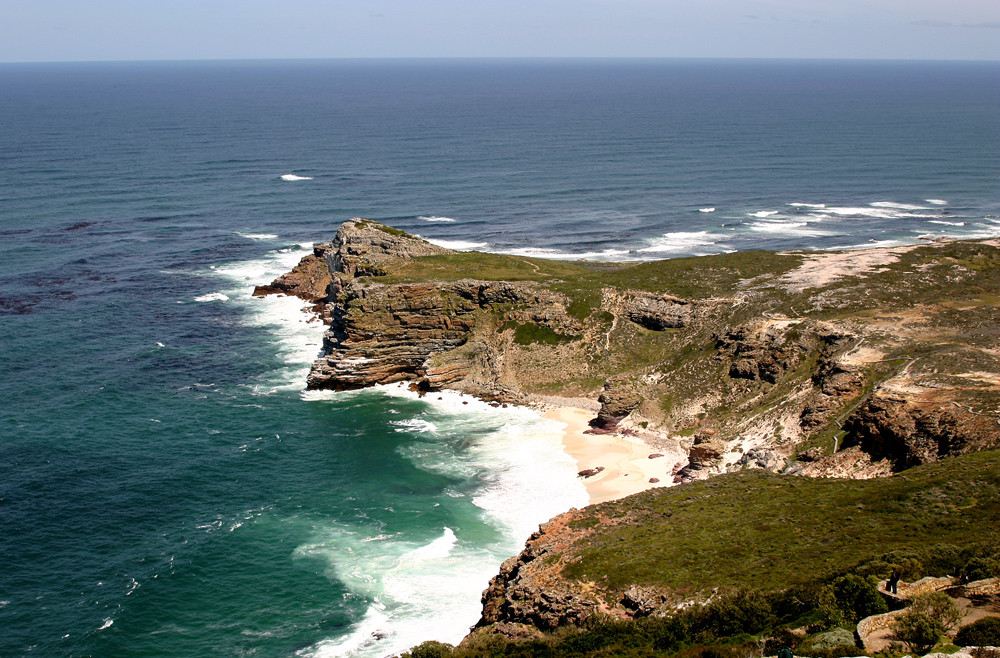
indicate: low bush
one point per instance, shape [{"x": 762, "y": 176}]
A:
[
  {"x": 918, "y": 631},
  {"x": 982, "y": 633},
  {"x": 732, "y": 614},
  {"x": 858, "y": 597},
  {"x": 430, "y": 650},
  {"x": 979, "y": 568},
  {"x": 838, "y": 637},
  {"x": 938, "y": 606}
]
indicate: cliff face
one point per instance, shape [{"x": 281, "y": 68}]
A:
[
  {"x": 805, "y": 364},
  {"x": 864, "y": 382},
  {"x": 383, "y": 332},
  {"x": 665, "y": 549}
]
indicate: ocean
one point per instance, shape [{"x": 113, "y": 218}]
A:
[{"x": 168, "y": 488}]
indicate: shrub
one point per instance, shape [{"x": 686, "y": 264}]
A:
[
  {"x": 843, "y": 651},
  {"x": 604, "y": 634},
  {"x": 980, "y": 567},
  {"x": 733, "y": 614},
  {"x": 668, "y": 633},
  {"x": 430, "y": 650},
  {"x": 858, "y": 597},
  {"x": 939, "y": 607},
  {"x": 909, "y": 563},
  {"x": 918, "y": 630},
  {"x": 783, "y": 638},
  {"x": 708, "y": 652},
  {"x": 838, "y": 637},
  {"x": 982, "y": 633}
]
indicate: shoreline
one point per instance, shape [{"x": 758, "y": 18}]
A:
[{"x": 628, "y": 464}]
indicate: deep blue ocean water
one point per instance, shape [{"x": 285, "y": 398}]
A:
[{"x": 166, "y": 487}]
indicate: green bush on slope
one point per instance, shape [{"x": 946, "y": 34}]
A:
[{"x": 982, "y": 633}]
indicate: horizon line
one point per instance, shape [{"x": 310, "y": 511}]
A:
[{"x": 499, "y": 58}]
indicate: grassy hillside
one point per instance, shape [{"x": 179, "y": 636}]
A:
[
  {"x": 755, "y": 529},
  {"x": 775, "y": 553}
]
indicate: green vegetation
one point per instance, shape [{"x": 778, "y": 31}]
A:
[
  {"x": 695, "y": 277},
  {"x": 980, "y": 568},
  {"x": 733, "y": 625},
  {"x": 926, "y": 621},
  {"x": 487, "y": 267},
  {"x": 857, "y": 597},
  {"x": 784, "y": 552},
  {"x": 758, "y": 529},
  {"x": 529, "y": 333},
  {"x": 919, "y": 632},
  {"x": 391, "y": 230},
  {"x": 982, "y": 633}
]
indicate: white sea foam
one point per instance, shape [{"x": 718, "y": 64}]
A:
[
  {"x": 555, "y": 254},
  {"x": 213, "y": 297},
  {"x": 878, "y": 210},
  {"x": 869, "y": 245},
  {"x": 941, "y": 221},
  {"x": 418, "y": 425},
  {"x": 860, "y": 211},
  {"x": 937, "y": 202},
  {"x": 365, "y": 635},
  {"x": 706, "y": 209},
  {"x": 787, "y": 228},
  {"x": 434, "y": 218},
  {"x": 107, "y": 624},
  {"x": 430, "y": 589},
  {"x": 681, "y": 241},
  {"x": 978, "y": 232},
  {"x": 294, "y": 177},
  {"x": 457, "y": 245},
  {"x": 257, "y": 236},
  {"x": 297, "y": 339},
  {"x": 438, "y": 549},
  {"x": 898, "y": 206},
  {"x": 807, "y": 205},
  {"x": 762, "y": 214}
]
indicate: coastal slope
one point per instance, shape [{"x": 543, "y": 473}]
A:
[
  {"x": 804, "y": 388},
  {"x": 849, "y": 364}
]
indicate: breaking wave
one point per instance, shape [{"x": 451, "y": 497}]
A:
[
  {"x": 457, "y": 245},
  {"x": 684, "y": 242}
]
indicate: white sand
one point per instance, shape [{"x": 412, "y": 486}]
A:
[{"x": 626, "y": 462}]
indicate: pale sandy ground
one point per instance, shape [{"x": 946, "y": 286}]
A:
[{"x": 626, "y": 462}]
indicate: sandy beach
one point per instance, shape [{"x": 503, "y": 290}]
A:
[{"x": 626, "y": 461}]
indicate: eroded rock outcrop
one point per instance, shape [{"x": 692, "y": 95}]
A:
[
  {"x": 309, "y": 280},
  {"x": 919, "y": 427},
  {"x": 388, "y": 332},
  {"x": 739, "y": 386},
  {"x": 621, "y": 397},
  {"x": 529, "y": 591},
  {"x": 743, "y": 383}
]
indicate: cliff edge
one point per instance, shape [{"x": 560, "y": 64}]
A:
[{"x": 851, "y": 364}]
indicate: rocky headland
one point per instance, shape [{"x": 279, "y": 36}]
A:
[{"x": 849, "y": 365}]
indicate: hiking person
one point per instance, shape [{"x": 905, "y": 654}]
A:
[{"x": 893, "y": 581}]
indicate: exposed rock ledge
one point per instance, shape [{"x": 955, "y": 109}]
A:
[
  {"x": 863, "y": 384},
  {"x": 739, "y": 385}
]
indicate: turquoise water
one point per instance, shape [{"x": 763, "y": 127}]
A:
[{"x": 166, "y": 486}]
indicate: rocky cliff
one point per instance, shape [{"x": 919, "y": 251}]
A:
[
  {"x": 804, "y": 364},
  {"x": 661, "y": 551},
  {"x": 817, "y": 364}
]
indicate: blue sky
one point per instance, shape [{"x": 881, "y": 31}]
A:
[{"x": 80, "y": 30}]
